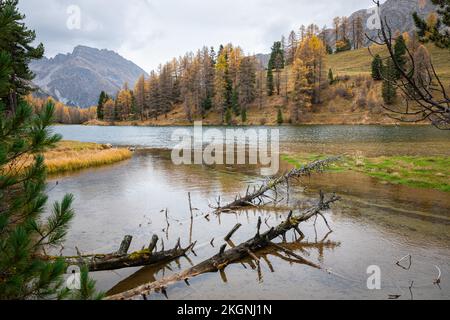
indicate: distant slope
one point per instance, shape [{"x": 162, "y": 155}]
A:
[
  {"x": 77, "y": 78},
  {"x": 359, "y": 61},
  {"x": 399, "y": 15}
]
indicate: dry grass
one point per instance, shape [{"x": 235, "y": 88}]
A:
[
  {"x": 358, "y": 62},
  {"x": 72, "y": 156}
]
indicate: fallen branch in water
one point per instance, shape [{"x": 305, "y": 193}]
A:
[
  {"x": 121, "y": 259},
  {"x": 224, "y": 258},
  {"x": 258, "y": 196}
]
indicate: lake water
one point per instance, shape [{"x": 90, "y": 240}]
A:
[{"x": 374, "y": 224}]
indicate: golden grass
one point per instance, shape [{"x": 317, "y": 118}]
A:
[{"x": 72, "y": 156}]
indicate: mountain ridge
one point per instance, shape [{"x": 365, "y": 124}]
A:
[{"x": 78, "y": 77}]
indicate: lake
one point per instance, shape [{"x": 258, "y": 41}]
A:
[{"x": 375, "y": 224}]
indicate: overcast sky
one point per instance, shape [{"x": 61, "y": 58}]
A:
[{"x": 150, "y": 32}]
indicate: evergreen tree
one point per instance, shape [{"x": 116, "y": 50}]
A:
[
  {"x": 100, "y": 107},
  {"x": 270, "y": 85},
  {"x": 276, "y": 63},
  {"x": 280, "y": 116},
  {"x": 377, "y": 68},
  {"x": 389, "y": 90},
  {"x": 244, "y": 115},
  {"x": 24, "y": 135},
  {"x": 400, "y": 55},
  {"x": 22, "y": 202},
  {"x": 330, "y": 76},
  {"x": 436, "y": 28},
  {"x": 16, "y": 43},
  {"x": 329, "y": 49}
]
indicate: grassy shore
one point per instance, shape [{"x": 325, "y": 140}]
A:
[
  {"x": 418, "y": 172},
  {"x": 72, "y": 155}
]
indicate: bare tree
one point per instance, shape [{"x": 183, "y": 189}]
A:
[{"x": 424, "y": 95}]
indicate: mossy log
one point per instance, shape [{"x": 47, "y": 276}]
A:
[
  {"x": 121, "y": 259},
  {"x": 226, "y": 257}
]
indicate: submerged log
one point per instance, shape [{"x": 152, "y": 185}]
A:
[
  {"x": 121, "y": 259},
  {"x": 224, "y": 258},
  {"x": 249, "y": 200}
]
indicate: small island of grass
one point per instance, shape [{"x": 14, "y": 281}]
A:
[{"x": 73, "y": 155}]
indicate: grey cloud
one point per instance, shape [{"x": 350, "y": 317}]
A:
[{"x": 150, "y": 32}]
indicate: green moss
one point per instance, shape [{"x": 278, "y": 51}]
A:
[{"x": 416, "y": 172}]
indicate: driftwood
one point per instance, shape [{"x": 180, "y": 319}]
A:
[
  {"x": 246, "y": 249},
  {"x": 258, "y": 196},
  {"x": 121, "y": 259}
]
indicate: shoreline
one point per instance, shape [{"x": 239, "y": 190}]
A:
[{"x": 156, "y": 125}]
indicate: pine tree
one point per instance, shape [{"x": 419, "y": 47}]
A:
[
  {"x": 280, "y": 116},
  {"x": 330, "y": 76},
  {"x": 16, "y": 42},
  {"x": 435, "y": 28},
  {"x": 276, "y": 63},
  {"x": 377, "y": 68},
  {"x": 25, "y": 233},
  {"x": 389, "y": 90},
  {"x": 100, "y": 106},
  {"x": 244, "y": 115},
  {"x": 400, "y": 55},
  {"x": 270, "y": 85}
]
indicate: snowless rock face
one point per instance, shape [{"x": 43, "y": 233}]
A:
[
  {"x": 399, "y": 15},
  {"x": 77, "y": 78}
]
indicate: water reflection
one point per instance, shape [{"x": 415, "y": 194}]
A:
[{"x": 374, "y": 224}]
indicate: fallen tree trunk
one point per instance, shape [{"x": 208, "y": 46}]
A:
[
  {"x": 224, "y": 258},
  {"x": 260, "y": 194},
  {"x": 121, "y": 259}
]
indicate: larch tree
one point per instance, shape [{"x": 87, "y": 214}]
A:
[
  {"x": 108, "y": 110},
  {"x": 312, "y": 53},
  {"x": 291, "y": 48},
  {"x": 247, "y": 83},
  {"x": 139, "y": 95},
  {"x": 337, "y": 25},
  {"x": 124, "y": 103},
  {"x": 359, "y": 32},
  {"x": 301, "y": 90},
  {"x": 222, "y": 84},
  {"x": 153, "y": 96}
]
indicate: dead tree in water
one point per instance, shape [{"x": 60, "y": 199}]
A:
[
  {"x": 246, "y": 249},
  {"x": 121, "y": 259},
  {"x": 257, "y": 197}
]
